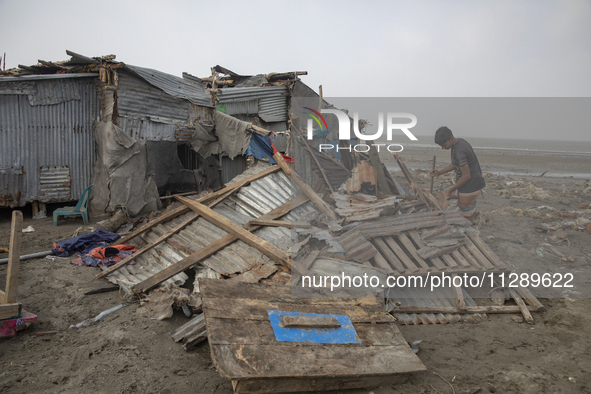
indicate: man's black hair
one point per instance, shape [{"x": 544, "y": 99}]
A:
[{"x": 442, "y": 135}]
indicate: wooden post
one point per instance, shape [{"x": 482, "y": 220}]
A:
[
  {"x": 16, "y": 235},
  {"x": 304, "y": 187},
  {"x": 433, "y": 178}
]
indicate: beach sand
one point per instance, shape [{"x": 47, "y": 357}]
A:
[{"x": 128, "y": 353}]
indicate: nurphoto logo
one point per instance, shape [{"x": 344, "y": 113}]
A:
[{"x": 345, "y": 129}]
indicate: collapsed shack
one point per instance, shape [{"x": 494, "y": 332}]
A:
[
  {"x": 134, "y": 133},
  {"x": 268, "y": 227}
]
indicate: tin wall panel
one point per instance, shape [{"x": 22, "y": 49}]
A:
[
  {"x": 137, "y": 99},
  {"x": 56, "y": 135}
]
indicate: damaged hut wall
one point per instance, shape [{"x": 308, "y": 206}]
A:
[
  {"x": 166, "y": 124},
  {"x": 46, "y": 139},
  {"x": 120, "y": 174}
]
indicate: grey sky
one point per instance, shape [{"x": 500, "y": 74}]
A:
[{"x": 354, "y": 49}]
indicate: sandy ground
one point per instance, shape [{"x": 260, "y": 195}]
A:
[{"x": 127, "y": 353}]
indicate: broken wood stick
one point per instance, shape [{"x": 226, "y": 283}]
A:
[
  {"x": 522, "y": 307},
  {"x": 433, "y": 178},
  {"x": 305, "y": 188},
  {"x": 14, "y": 256},
  {"x": 180, "y": 210},
  {"x": 211, "y": 249},
  {"x": 544, "y": 173},
  {"x": 451, "y": 309}
]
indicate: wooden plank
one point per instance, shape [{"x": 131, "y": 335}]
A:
[
  {"x": 180, "y": 210},
  {"x": 479, "y": 256},
  {"x": 460, "y": 259},
  {"x": 224, "y": 308},
  {"x": 410, "y": 265},
  {"x": 279, "y": 223},
  {"x": 147, "y": 248},
  {"x": 411, "y": 181},
  {"x": 10, "y": 310},
  {"x": 102, "y": 289},
  {"x": 285, "y": 385},
  {"x": 389, "y": 255},
  {"x": 380, "y": 261},
  {"x": 522, "y": 307},
  {"x": 225, "y": 291},
  {"x": 488, "y": 252},
  {"x": 256, "y": 332},
  {"x": 449, "y": 261},
  {"x": 310, "y": 322},
  {"x": 211, "y": 249},
  {"x": 305, "y": 188},
  {"x": 413, "y": 251},
  {"x": 453, "y": 309},
  {"x": 530, "y": 299},
  {"x": 14, "y": 256},
  {"x": 193, "y": 326},
  {"x": 244, "y": 235},
  {"x": 248, "y": 361},
  {"x": 470, "y": 258},
  {"x": 459, "y": 294},
  {"x": 436, "y": 261}
]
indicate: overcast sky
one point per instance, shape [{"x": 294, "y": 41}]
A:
[{"x": 353, "y": 48}]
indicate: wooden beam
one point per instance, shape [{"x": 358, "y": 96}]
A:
[
  {"x": 304, "y": 187},
  {"x": 459, "y": 294},
  {"x": 161, "y": 239},
  {"x": 10, "y": 310},
  {"x": 522, "y": 307},
  {"x": 14, "y": 256},
  {"x": 180, "y": 210},
  {"x": 244, "y": 235},
  {"x": 451, "y": 309},
  {"x": 211, "y": 249},
  {"x": 431, "y": 203},
  {"x": 279, "y": 223}
]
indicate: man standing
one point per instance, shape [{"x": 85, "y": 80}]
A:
[{"x": 469, "y": 180}]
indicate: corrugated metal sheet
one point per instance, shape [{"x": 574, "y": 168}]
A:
[
  {"x": 146, "y": 129},
  {"x": 55, "y": 184},
  {"x": 232, "y": 167},
  {"x": 59, "y": 91},
  {"x": 272, "y": 101},
  {"x": 178, "y": 87},
  {"x": 42, "y": 77},
  {"x": 438, "y": 297},
  {"x": 273, "y": 109},
  {"x": 139, "y": 99},
  {"x": 251, "y": 201},
  {"x": 250, "y": 107},
  {"x": 56, "y": 135}
]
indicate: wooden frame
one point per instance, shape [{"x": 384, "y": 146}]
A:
[{"x": 9, "y": 307}]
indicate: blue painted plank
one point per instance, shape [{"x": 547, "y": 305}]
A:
[{"x": 344, "y": 334}]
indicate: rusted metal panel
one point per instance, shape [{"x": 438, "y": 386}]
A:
[
  {"x": 58, "y": 135},
  {"x": 363, "y": 173}
]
